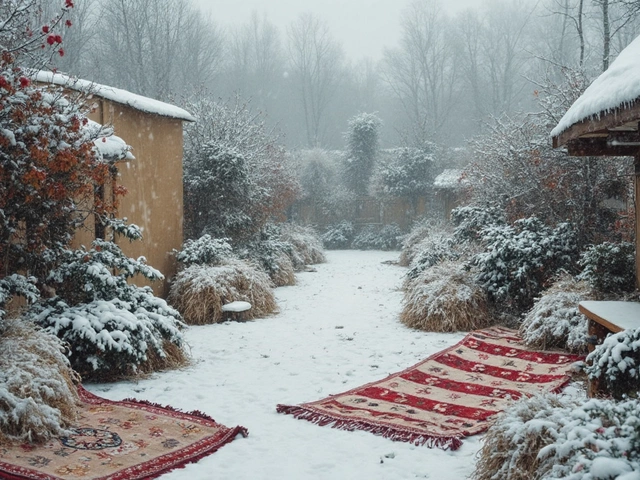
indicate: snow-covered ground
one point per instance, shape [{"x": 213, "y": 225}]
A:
[{"x": 337, "y": 329}]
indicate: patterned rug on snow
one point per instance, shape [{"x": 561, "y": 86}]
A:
[
  {"x": 127, "y": 440},
  {"x": 453, "y": 394}
]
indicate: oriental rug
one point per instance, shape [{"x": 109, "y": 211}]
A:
[
  {"x": 453, "y": 394},
  {"x": 127, "y": 440}
]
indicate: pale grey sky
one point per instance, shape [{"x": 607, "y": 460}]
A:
[{"x": 364, "y": 27}]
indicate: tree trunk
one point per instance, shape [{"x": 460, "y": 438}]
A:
[{"x": 606, "y": 28}]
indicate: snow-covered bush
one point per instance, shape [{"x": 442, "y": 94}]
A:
[
  {"x": 37, "y": 385},
  {"x": 362, "y": 146},
  {"x": 204, "y": 251},
  {"x": 436, "y": 248},
  {"x": 199, "y": 292},
  {"x": 615, "y": 364},
  {"x": 373, "y": 237},
  {"x": 113, "y": 328},
  {"x": 554, "y": 321},
  {"x": 470, "y": 221},
  {"x": 408, "y": 174},
  {"x": 519, "y": 259},
  {"x": 339, "y": 237},
  {"x": 610, "y": 267},
  {"x": 16, "y": 285},
  {"x": 445, "y": 298},
  {"x": 552, "y": 438},
  {"x": 306, "y": 243},
  {"x": 237, "y": 177},
  {"x": 420, "y": 232}
]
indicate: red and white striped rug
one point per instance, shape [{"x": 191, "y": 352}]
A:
[{"x": 453, "y": 394}]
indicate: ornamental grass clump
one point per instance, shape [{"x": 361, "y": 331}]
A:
[
  {"x": 554, "y": 321},
  {"x": 445, "y": 298},
  {"x": 419, "y": 240},
  {"x": 199, "y": 292},
  {"x": 38, "y": 395},
  {"x": 306, "y": 243}
]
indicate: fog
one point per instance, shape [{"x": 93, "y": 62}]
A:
[{"x": 364, "y": 27}]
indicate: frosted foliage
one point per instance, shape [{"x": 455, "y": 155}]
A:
[
  {"x": 37, "y": 392},
  {"x": 16, "y": 285},
  {"x": 436, "y": 248},
  {"x": 412, "y": 243},
  {"x": 555, "y": 438},
  {"x": 339, "y": 236},
  {"x": 204, "y": 251},
  {"x": 616, "y": 363},
  {"x": 372, "y": 237},
  {"x": 114, "y": 336},
  {"x": 554, "y": 321},
  {"x": 610, "y": 267}
]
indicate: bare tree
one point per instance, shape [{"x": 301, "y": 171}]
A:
[
  {"x": 423, "y": 70},
  {"x": 316, "y": 64},
  {"x": 256, "y": 61},
  {"x": 153, "y": 47}
]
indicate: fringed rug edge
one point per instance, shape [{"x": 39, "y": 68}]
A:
[{"x": 392, "y": 433}]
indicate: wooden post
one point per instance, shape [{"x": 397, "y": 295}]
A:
[{"x": 637, "y": 208}]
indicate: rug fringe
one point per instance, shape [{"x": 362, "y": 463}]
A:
[
  {"x": 196, "y": 413},
  {"x": 395, "y": 434}
]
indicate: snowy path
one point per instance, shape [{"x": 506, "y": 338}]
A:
[{"x": 338, "y": 328}]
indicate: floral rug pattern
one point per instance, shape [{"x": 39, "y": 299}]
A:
[
  {"x": 453, "y": 394},
  {"x": 128, "y": 440}
]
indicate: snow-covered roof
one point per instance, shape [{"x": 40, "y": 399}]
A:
[
  {"x": 449, "y": 179},
  {"x": 117, "y": 95},
  {"x": 619, "y": 86}
]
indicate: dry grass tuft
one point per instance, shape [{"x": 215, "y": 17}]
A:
[
  {"x": 307, "y": 245},
  {"x": 554, "y": 321},
  {"x": 38, "y": 395},
  {"x": 511, "y": 446},
  {"x": 199, "y": 293},
  {"x": 412, "y": 244},
  {"x": 445, "y": 298},
  {"x": 284, "y": 274}
]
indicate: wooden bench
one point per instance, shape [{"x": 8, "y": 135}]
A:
[{"x": 605, "y": 318}]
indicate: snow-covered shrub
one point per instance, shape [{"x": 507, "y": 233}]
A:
[
  {"x": 204, "y": 251},
  {"x": 471, "y": 220},
  {"x": 445, "y": 298},
  {"x": 38, "y": 395},
  {"x": 519, "y": 259},
  {"x": 610, "y": 267},
  {"x": 554, "y": 321},
  {"x": 306, "y": 243},
  {"x": 412, "y": 242},
  {"x": 199, "y": 292},
  {"x": 16, "y": 285},
  {"x": 113, "y": 328},
  {"x": 340, "y": 236},
  {"x": 615, "y": 363},
  {"x": 552, "y": 438},
  {"x": 373, "y": 237},
  {"x": 362, "y": 151},
  {"x": 434, "y": 249}
]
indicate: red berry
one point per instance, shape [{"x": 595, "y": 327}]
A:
[
  {"x": 61, "y": 52},
  {"x": 68, "y": 23},
  {"x": 58, "y": 39},
  {"x": 51, "y": 39},
  {"x": 45, "y": 29},
  {"x": 24, "y": 82}
]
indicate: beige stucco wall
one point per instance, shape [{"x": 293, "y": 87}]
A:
[{"x": 154, "y": 200}]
